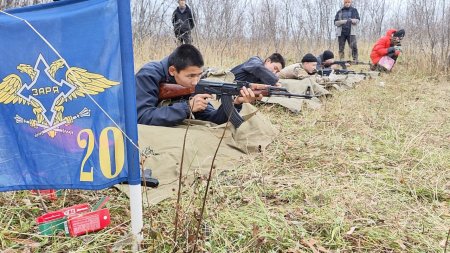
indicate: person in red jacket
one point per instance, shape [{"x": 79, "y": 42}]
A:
[{"x": 386, "y": 49}]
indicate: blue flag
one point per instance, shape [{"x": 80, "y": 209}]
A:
[{"x": 67, "y": 96}]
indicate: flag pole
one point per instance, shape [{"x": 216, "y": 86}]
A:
[
  {"x": 137, "y": 222},
  {"x": 134, "y": 172}
]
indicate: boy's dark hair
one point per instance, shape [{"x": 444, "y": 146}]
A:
[
  {"x": 185, "y": 56},
  {"x": 276, "y": 57}
]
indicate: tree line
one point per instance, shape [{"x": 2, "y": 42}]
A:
[{"x": 258, "y": 27}]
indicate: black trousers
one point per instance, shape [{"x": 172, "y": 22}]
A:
[
  {"x": 351, "y": 39},
  {"x": 184, "y": 38}
]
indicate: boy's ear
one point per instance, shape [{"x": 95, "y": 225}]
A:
[{"x": 172, "y": 70}]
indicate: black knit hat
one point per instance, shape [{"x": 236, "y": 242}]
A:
[
  {"x": 309, "y": 58},
  {"x": 327, "y": 54},
  {"x": 400, "y": 33}
]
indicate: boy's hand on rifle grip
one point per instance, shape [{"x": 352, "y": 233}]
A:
[
  {"x": 199, "y": 102},
  {"x": 247, "y": 96}
]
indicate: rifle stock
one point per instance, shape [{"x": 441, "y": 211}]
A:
[{"x": 171, "y": 90}]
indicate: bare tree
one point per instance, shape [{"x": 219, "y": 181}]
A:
[
  {"x": 373, "y": 14},
  {"x": 150, "y": 24},
  {"x": 239, "y": 28}
]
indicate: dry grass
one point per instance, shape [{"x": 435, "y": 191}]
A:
[{"x": 368, "y": 172}]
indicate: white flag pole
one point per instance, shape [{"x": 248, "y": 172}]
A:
[{"x": 137, "y": 221}]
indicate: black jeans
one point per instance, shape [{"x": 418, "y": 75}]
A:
[
  {"x": 184, "y": 38},
  {"x": 351, "y": 39}
]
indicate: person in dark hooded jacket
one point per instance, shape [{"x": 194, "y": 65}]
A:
[
  {"x": 255, "y": 70},
  {"x": 325, "y": 60},
  {"x": 183, "y": 67},
  {"x": 389, "y": 45},
  {"x": 183, "y": 23}
]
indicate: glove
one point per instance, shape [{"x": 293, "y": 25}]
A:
[
  {"x": 398, "y": 48},
  {"x": 391, "y": 50}
]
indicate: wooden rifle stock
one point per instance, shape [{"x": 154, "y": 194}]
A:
[{"x": 171, "y": 90}]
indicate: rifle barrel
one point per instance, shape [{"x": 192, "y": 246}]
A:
[{"x": 288, "y": 94}]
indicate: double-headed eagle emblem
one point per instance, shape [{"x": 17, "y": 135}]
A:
[{"x": 47, "y": 96}]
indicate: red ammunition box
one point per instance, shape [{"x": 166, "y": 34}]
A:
[
  {"x": 80, "y": 224},
  {"x": 50, "y": 194},
  {"x": 53, "y": 222},
  {"x": 61, "y": 213}
]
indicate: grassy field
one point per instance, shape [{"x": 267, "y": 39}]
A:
[{"x": 368, "y": 172}]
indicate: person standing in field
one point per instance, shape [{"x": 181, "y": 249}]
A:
[
  {"x": 346, "y": 21},
  {"x": 183, "y": 23}
]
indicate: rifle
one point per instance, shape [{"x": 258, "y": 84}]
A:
[
  {"x": 327, "y": 72},
  {"x": 225, "y": 91},
  {"x": 169, "y": 91},
  {"x": 343, "y": 64}
]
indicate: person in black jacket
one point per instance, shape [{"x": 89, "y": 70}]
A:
[
  {"x": 183, "y": 67},
  {"x": 346, "y": 21},
  {"x": 183, "y": 23},
  {"x": 325, "y": 60}
]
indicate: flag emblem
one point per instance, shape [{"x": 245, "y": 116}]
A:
[{"x": 48, "y": 91}]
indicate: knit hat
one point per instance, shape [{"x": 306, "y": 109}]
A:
[
  {"x": 309, "y": 58},
  {"x": 400, "y": 33},
  {"x": 327, "y": 54}
]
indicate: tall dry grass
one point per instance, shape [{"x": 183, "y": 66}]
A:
[
  {"x": 416, "y": 62},
  {"x": 368, "y": 172}
]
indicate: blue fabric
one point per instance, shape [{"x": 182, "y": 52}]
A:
[
  {"x": 52, "y": 135},
  {"x": 147, "y": 92}
]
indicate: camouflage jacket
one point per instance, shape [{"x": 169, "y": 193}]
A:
[{"x": 294, "y": 71}]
